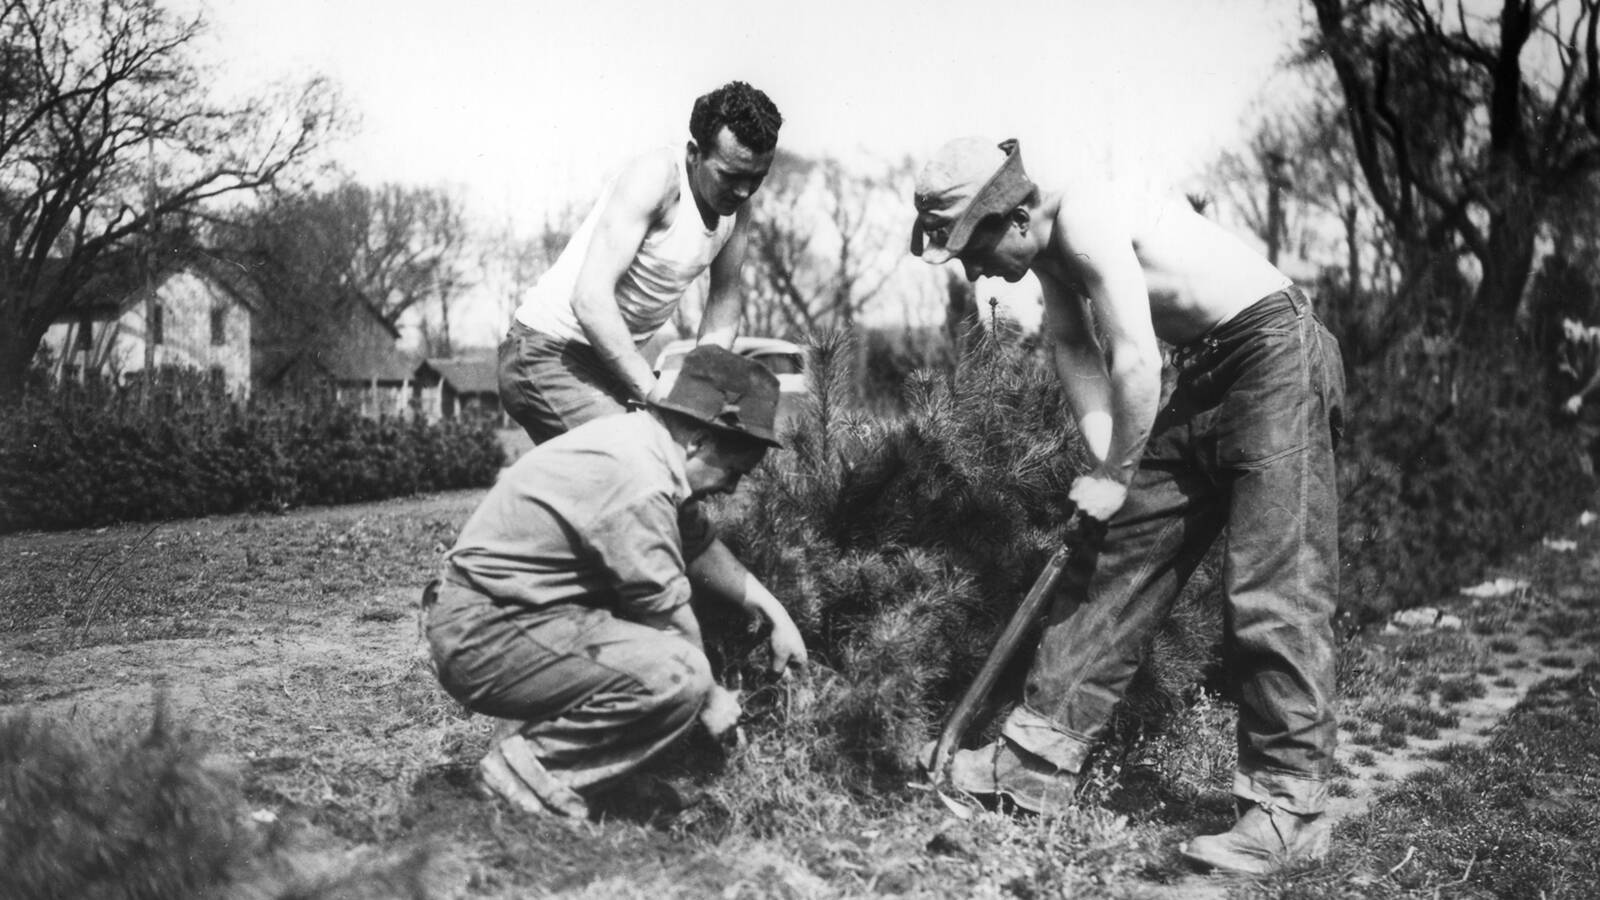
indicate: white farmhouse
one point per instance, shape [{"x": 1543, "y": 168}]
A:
[{"x": 191, "y": 316}]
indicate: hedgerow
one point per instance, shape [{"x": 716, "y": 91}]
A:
[
  {"x": 1451, "y": 465},
  {"x": 177, "y": 447}
]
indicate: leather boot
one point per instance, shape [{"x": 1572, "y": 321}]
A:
[
  {"x": 1266, "y": 838},
  {"x": 512, "y": 770},
  {"x": 1003, "y": 769}
]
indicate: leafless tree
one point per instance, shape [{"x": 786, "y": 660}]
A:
[
  {"x": 823, "y": 245},
  {"x": 1467, "y": 128},
  {"x": 1299, "y": 188},
  {"x": 411, "y": 247},
  {"x": 394, "y": 249},
  {"x": 1258, "y": 182},
  {"x": 106, "y": 132},
  {"x": 514, "y": 262}
]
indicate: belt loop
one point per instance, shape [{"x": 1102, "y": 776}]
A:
[{"x": 1299, "y": 299}]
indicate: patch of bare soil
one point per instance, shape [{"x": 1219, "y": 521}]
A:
[
  {"x": 1466, "y": 662},
  {"x": 291, "y": 641},
  {"x": 1444, "y": 677}
]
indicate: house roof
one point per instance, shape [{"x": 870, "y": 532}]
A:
[
  {"x": 346, "y": 368},
  {"x": 467, "y": 375},
  {"x": 351, "y": 343},
  {"x": 382, "y": 364},
  {"x": 233, "y": 277},
  {"x": 123, "y": 282}
]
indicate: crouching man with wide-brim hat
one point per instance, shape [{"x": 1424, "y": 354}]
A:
[{"x": 564, "y": 605}]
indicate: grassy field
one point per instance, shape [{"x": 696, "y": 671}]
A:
[{"x": 246, "y": 702}]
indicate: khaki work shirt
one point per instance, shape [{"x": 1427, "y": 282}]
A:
[{"x": 589, "y": 517}]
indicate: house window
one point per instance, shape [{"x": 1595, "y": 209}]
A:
[
  {"x": 219, "y": 326},
  {"x": 86, "y": 334},
  {"x": 156, "y": 315}
]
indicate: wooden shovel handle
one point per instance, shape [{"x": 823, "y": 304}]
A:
[{"x": 1004, "y": 648}]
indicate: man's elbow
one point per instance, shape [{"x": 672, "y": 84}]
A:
[
  {"x": 1136, "y": 364},
  {"x": 589, "y": 305}
]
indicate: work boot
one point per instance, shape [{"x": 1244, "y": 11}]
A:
[
  {"x": 1266, "y": 838},
  {"x": 512, "y": 770},
  {"x": 1002, "y": 769},
  {"x": 497, "y": 780}
]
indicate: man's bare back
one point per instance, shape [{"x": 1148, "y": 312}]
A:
[
  {"x": 1120, "y": 272},
  {"x": 1197, "y": 274}
]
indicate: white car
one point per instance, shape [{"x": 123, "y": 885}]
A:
[{"x": 785, "y": 359}]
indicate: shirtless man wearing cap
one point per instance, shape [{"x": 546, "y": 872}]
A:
[{"x": 1244, "y": 443}]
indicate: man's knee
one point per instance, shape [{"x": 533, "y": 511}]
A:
[{"x": 677, "y": 683}]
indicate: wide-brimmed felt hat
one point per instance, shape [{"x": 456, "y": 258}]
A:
[
  {"x": 726, "y": 391},
  {"x": 966, "y": 181}
]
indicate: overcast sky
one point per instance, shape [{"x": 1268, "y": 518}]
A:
[{"x": 527, "y": 103}]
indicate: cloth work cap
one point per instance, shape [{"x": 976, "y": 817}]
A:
[
  {"x": 964, "y": 183},
  {"x": 726, "y": 391}
]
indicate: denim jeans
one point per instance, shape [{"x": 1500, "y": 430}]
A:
[
  {"x": 597, "y": 695},
  {"x": 550, "y": 386},
  {"x": 1244, "y": 444}
]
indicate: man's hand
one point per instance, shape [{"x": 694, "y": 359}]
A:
[
  {"x": 788, "y": 648},
  {"x": 654, "y": 394},
  {"x": 1574, "y": 404},
  {"x": 721, "y": 712},
  {"x": 1097, "y": 496},
  {"x": 717, "y": 571}
]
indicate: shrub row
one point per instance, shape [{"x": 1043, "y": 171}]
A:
[
  {"x": 1448, "y": 468},
  {"x": 83, "y": 456}
]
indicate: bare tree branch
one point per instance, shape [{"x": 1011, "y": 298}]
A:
[
  {"x": 105, "y": 133},
  {"x": 1459, "y": 146}
]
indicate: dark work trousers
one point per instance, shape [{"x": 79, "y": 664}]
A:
[
  {"x": 595, "y": 695},
  {"x": 550, "y": 386},
  {"x": 1245, "y": 443}
]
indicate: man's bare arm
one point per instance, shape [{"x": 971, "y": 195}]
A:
[
  {"x": 635, "y": 202},
  {"x": 1100, "y": 253},
  {"x": 1078, "y": 362},
  {"x": 718, "y": 572},
  {"x": 724, "y": 299}
]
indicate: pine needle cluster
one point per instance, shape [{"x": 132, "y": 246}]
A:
[
  {"x": 902, "y": 545},
  {"x": 140, "y": 813}
]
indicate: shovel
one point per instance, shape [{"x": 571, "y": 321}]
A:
[{"x": 1004, "y": 648}]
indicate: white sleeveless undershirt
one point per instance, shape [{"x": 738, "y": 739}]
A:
[{"x": 668, "y": 262}]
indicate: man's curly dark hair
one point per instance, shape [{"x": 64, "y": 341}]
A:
[{"x": 747, "y": 112}]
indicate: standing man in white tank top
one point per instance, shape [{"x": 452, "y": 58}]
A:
[
  {"x": 1244, "y": 444},
  {"x": 572, "y": 353}
]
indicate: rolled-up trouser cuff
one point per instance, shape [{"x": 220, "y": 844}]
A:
[
  {"x": 1299, "y": 794},
  {"x": 1041, "y": 736}
]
